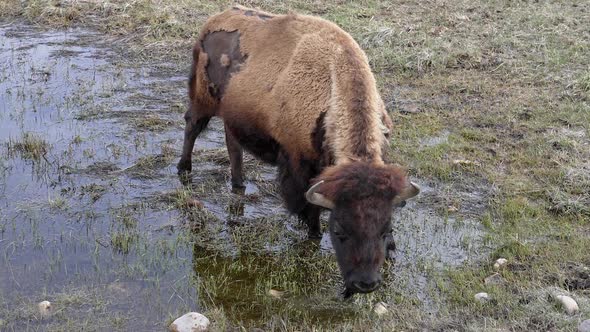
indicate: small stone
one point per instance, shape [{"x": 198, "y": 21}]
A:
[
  {"x": 499, "y": 263},
  {"x": 584, "y": 326},
  {"x": 380, "y": 308},
  {"x": 44, "y": 308},
  {"x": 410, "y": 109},
  {"x": 276, "y": 293},
  {"x": 482, "y": 297},
  {"x": 452, "y": 208},
  {"x": 194, "y": 203},
  {"x": 569, "y": 305},
  {"x": 465, "y": 162},
  {"x": 494, "y": 279},
  {"x": 190, "y": 322},
  {"x": 462, "y": 17}
]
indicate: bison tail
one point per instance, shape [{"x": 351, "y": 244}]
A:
[{"x": 192, "y": 79}]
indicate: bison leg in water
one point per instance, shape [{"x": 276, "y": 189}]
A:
[
  {"x": 193, "y": 128},
  {"x": 311, "y": 216},
  {"x": 235, "y": 152}
]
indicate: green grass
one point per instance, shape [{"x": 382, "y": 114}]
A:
[{"x": 509, "y": 82}]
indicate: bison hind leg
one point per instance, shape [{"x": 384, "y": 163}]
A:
[
  {"x": 236, "y": 156},
  {"x": 191, "y": 132}
]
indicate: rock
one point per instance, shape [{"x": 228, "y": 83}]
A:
[
  {"x": 499, "y": 263},
  {"x": 194, "y": 203},
  {"x": 190, "y": 322},
  {"x": 276, "y": 293},
  {"x": 409, "y": 109},
  {"x": 568, "y": 304},
  {"x": 482, "y": 297},
  {"x": 465, "y": 162},
  {"x": 494, "y": 279},
  {"x": 584, "y": 326},
  {"x": 452, "y": 208},
  {"x": 380, "y": 308},
  {"x": 44, "y": 308}
]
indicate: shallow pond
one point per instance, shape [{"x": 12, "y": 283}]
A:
[{"x": 94, "y": 219}]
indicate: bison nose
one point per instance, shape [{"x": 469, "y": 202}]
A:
[{"x": 366, "y": 286}]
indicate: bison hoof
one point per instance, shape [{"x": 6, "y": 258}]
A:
[
  {"x": 237, "y": 185},
  {"x": 391, "y": 246},
  {"x": 390, "y": 250},
  {"x": 314, "y": 235},
  {"x": 184, "y": 167}
]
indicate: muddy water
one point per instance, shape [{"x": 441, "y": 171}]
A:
[{"x": 96, "y": 220}]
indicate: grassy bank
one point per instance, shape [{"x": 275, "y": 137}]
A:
[{"x": 491, "y": 97}]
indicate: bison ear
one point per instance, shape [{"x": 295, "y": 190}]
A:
[
  {"x": 407, "y": 192},
  {"x": 318, "y": 199}
]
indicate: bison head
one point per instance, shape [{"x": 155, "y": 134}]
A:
[{"x": 361, "y": 197}]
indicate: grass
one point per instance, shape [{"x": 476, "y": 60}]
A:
[
  {"x": 507, "y": 86},
  {"x": 29, "y": 146}
]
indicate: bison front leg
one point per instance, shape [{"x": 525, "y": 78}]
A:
[
  {"x": 236, "y": 154},
  {"x": 294, "y": 181},
  {"x": 191, "y": 132},
  {"x": 311, "y": 216}
]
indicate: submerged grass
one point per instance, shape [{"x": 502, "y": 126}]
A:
[
  {"x": 29, "y": 146},
  {"x": 507, "y": 84}
]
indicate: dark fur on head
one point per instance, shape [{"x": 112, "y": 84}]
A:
[
  {"x": 360, "y": 180},
  {"x": 360, "y": 222}
]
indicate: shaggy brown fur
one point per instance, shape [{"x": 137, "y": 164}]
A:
[
  {"x": 295, "y": 65},
  {"x": 360, "y": 180}
]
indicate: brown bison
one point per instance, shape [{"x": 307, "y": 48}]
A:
[{"x": 297, "y": 92}]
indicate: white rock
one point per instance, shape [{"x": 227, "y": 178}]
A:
[
  {"x": 44, "y": 308},
  {"x": 499, "y": 263},
  {"x": 277, "y": 294},
  {"x": 569, "y": 305},
  {"x": 584, "y": 326},
  {"x": 482, "y": 297},
  {"x": 191, "y": 322},
  {"x": 380, "y": 308}
]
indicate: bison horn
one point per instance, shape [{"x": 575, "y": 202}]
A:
[
  {"x": 317, "y": 198},
  {"x": 409, "y": 191}
]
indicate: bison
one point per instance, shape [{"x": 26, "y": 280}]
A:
[{"x": 297, "y": 92}]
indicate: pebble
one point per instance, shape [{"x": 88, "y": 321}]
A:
[
  {"x": 44, "y": 308},
  {"x": 584, "y": 326},
  {"x": 276, "y": 293},
  {"x": 482, "y": 297},
  {"x": 190, "y": 322},
  {"x": 380, "y": 308},
  {"x": 464, "y": 162},
  {"x": 499, "y": 263},
  {"x": 452, "y": 208},
  {"x": 194, "y": 203},
  {"x": 569, "y": 305}
]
